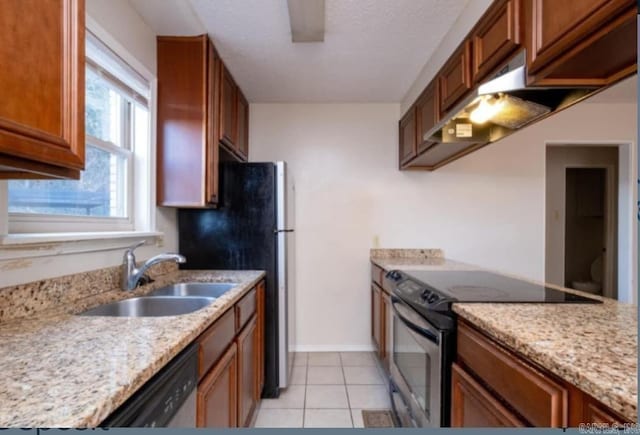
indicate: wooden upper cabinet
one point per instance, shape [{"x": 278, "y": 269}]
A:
[
  {"x": 408, "y": 139},
  {"x": 228, "y": 109},
  {"x": 427, "y": 116},
  {"x": 581, "y": 42},
  {"x": 42, "y": 83},
  {"x": 243, "y": 126},
  {"x": 497, "y": 36},
  {"x": 187, "y": 122},
  {"x": 454, "y": 80}
]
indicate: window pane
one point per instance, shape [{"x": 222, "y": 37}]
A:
[
  {"x": 103, "y": 110},
  {"x": 100, "y": 191}
]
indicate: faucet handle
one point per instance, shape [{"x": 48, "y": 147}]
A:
[{"x": 136, "y": 245}]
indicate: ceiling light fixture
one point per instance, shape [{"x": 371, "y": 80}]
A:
[{"x": 306, "y": 18}]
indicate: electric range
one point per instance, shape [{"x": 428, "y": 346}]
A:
[{"x": 423, "y": 332}]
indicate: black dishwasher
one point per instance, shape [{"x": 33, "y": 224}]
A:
[{"x": 166, "y": 400}]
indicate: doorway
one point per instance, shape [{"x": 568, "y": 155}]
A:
[
  {"x": 582, "y": 218},
  {"x": 590, "y": 230}
]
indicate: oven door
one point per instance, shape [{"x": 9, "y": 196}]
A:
[{"x": 416, "y": 363}]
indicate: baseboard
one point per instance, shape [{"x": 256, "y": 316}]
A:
[{"x": 333, "y": 348}]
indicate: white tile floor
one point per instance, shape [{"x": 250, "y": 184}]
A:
[{"x": 328, "y": 389}]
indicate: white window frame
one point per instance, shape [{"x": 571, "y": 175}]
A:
[{"x": 140, "y": 195}]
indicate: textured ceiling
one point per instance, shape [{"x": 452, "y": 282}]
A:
[{"x": 373, "y": 49}]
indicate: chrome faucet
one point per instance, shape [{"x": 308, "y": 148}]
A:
[{"x": 131, "y": 275}]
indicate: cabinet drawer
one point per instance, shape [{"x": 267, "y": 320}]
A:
[
  {"x": 539, "y": 399},
  {"x": 376, "y": 274},
  {"x": 214, "y": 341},
  {"x": 245, "y": 309}
]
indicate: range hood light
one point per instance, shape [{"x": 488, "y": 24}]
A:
[{"x": 487, "y": 109}]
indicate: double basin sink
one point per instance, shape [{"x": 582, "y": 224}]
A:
[{"x": 172, "y": 300}]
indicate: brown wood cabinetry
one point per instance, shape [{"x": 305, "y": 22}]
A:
[
  {"x": 380, "y": 317},
  {"x": 42, "y": 82},
  {"x": 187, "y": 122},
  {"x": 427, "y": 116},
  {"x": 242, "y": 144},
  {"x": 198, "y": 111},
  {"x": 493, "y": 386},
  {"x": 408, "y": 139},
  {"x": 454, "y": 79},
  {"x": 231, "y": 364},
  {"x": 376, "y": 318},
  {"x": 496, "y": 37},
  {"x": 260, "y": 295},
  {"x": 247, "y": 372},
  {"x": 217, "y": 393},
  {"x": 474, "y": 406},
  {"x": 228, "y": 110},
  {"x": 581, "y": 41}
]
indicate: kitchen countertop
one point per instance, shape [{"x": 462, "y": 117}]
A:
[
  {"x": 594, "y": 347},
  {"x": 62, "y": 370}
]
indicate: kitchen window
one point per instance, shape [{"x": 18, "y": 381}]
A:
[{"x": 117, "y": 147}]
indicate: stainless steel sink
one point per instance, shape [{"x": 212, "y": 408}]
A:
[
  {"x": 206, "y": 289},
  {"x": 150, "y": 307}
]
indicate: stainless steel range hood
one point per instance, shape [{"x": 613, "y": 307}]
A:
[{"x": 495, "y": 109}]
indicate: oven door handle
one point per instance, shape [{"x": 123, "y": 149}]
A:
[{"x": 423, "y": 329}]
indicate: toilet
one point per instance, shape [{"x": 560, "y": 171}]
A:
[{"x": 595, "y": 285}]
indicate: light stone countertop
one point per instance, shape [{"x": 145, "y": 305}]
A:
[
  {"x": 594, "y": 347},
  {"x": 62, "y": 370}
]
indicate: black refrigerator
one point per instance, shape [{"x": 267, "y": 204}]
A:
[{"x": 252, "y": 229}]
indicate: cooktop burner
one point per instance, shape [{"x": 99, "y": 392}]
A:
[{"x": 482, "y": 286}]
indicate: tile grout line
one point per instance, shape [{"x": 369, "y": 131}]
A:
[{"x": 346, "y": 390}]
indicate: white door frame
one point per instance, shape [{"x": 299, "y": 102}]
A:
[{"x": 627, "y": 213}]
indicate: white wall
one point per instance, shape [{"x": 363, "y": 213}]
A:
[
  {"x": 122, "y": 22},
  {"x": 487, "y": 208}
]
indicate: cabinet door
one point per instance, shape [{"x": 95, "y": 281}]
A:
[
  {"x": 42, "y": 83},
  {"x": 385, "y": 337},
  {"x": 260, "y": 331},
  {"x": 496, "y": 37},
  {"x": 427, "y": 116},
  {"x": 217, "y": 394},
  {"x": 558, "y": 26},
  {"x": 213, "y": 108},
  {"x": 243, "y": 126},
  {"x": 407, "y": 139},
  {"x": 376, "y": 317},
  {"x": 183, "y": 122},
  {"x": 454, "y": 79},
  {"x": 247, "y": 372},
  {"x": 228, "y": 111},
  {"x": 596, "y": 412},
  {"x": 473, "y": 406}
]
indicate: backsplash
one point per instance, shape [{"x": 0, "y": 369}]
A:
[
  {"x": 25, "y": 300},
  {"x": 406, "y": 253}
]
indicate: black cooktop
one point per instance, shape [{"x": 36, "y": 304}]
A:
[{"x": 439, "y": 287}]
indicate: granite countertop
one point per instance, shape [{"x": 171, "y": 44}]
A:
[
  {"x": 62, "y": 370},
  {"x": 594, "y": 347}
]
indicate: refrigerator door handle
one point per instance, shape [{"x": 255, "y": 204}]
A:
[{"x": 282, "y": 231}]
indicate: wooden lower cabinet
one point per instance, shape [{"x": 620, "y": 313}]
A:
[
  {"x": 473, "y": 406},
  {"x": 493, "y": 386},
  {"x": 217, "y": 393},
  {"x": 376, "y": 319},
  {"x": 247, "y": 372},
  {"x": 229, "y": 391},
  {"x": 260, "y": 294}
]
